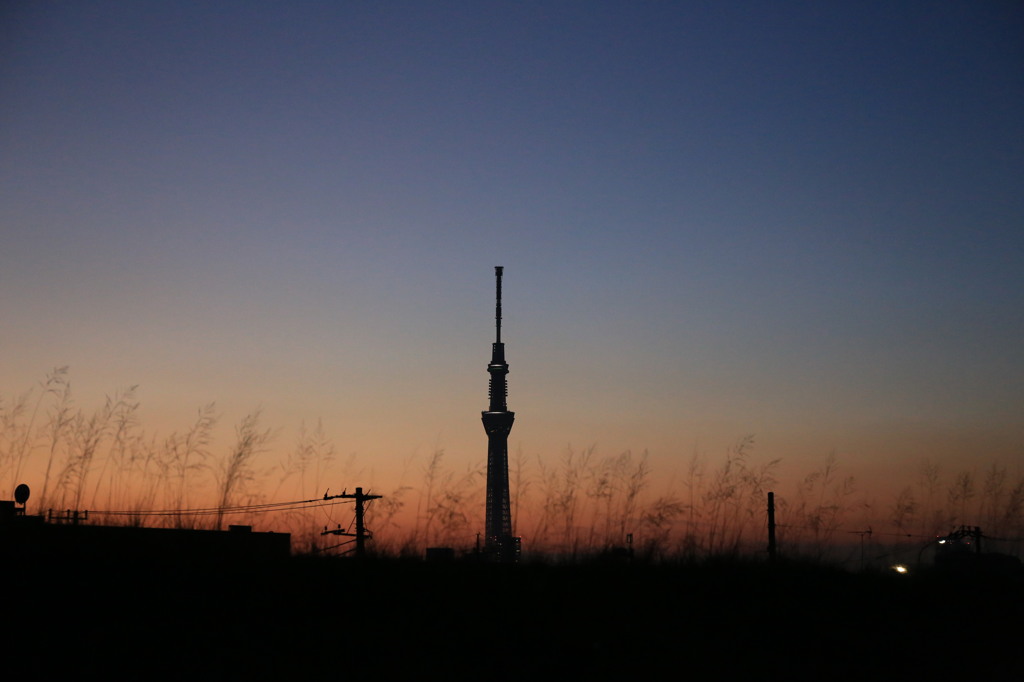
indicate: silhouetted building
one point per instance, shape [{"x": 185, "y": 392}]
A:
[
  {"x": 499, "y": 543},
  {"x": 33, "y": 539}
]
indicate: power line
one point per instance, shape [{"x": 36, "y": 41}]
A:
[{"x": 237, "y": 509}]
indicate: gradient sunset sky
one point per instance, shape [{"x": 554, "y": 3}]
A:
[{"x": 798, "y": 220}]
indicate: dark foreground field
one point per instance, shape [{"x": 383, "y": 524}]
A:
[{"x": 396, "y": 620}]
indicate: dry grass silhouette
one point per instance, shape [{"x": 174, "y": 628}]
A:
[{"x": 578, "y": 504}]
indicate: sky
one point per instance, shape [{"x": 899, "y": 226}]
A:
[{"x": 800, "y": 220}]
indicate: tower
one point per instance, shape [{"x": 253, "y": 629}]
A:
[{"x": 500, "y": 545}]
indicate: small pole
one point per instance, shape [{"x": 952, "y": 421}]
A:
[{"x": 771, "y": 527}]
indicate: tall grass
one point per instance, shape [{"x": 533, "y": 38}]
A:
[
  {"x": 824, "y": 500},
  {"x": 237, "y": 470},
  {"x": 576, "y": 504}
]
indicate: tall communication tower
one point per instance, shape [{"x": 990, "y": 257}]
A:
[{"x": 499, "y": 544}]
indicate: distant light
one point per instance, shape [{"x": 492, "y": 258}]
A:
[
  {"x": 901, "y": 569},
  {"x": 942, "y": 542}
]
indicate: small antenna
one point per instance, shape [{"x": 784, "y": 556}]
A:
[{"x": 497, "y": 308}]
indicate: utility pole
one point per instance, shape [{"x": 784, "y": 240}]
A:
[
  {"x": 361, "y": 534},
  {"x": 862, "y": 534},
  {"x": 771, "y": 527}
]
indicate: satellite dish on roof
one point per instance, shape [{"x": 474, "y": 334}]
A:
[{"x": 21, "y": 494}]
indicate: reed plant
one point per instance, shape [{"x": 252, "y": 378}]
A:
[
  {"x": 237, "y": 470},
  {"x": 824, "y": 500},
  {"x": 574, "y": 505}
]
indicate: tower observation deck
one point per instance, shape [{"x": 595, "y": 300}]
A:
[{"x": 499, "y": 545}]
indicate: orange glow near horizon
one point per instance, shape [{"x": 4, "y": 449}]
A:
[{"x": 570, "y": 501}]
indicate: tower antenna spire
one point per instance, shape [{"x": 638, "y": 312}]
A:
[{"x": 497, "y": 306}]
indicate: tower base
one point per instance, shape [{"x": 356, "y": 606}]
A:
[{"x": 502, "y": 550}]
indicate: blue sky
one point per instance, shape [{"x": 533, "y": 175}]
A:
[{"x": 801, "y": 220}]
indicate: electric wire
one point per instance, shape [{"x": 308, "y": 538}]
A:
[{"x": 234, "y": 509}]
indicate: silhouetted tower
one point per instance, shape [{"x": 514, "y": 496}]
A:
[{"x": 500, "y": 544}]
